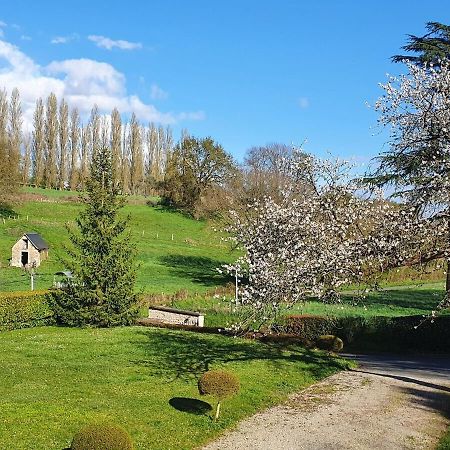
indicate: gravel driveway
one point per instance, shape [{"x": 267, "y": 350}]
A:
[{"x": 387, "y": 403}]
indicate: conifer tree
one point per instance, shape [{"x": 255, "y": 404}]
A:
[
  {"x": 432, "y": 47},
  {"x": 101, "y": 259}
]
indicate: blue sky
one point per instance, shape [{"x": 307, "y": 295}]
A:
[{"x": 244, "y": 72}]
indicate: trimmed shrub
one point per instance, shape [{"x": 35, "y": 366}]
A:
[
  {"x": 24, "y": 310},
  {"x": 330, "y": 342},
  {"x": 308, "y": 326},
  {"x": 102, "y": 437},
  {"x": 220, "y": 384}
]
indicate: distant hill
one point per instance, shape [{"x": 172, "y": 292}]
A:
[{"x": 174, "y": 251}]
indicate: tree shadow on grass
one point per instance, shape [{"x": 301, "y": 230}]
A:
[
  {"x": 190, "y": 405},
  {"x": 422, "y": 300},
  {"x": 186, "y": 355},
  {"x": 198, "y": 269}
]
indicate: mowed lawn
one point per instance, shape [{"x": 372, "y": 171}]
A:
[
  {"x": 173, "y": 251},
  {"x": 54, "y": 380}
]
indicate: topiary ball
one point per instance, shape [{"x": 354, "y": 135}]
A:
[
  {"x": 330, "y": 342},
  {"x": 218, "y": 383},
  {"x": 102, "y": 437}
]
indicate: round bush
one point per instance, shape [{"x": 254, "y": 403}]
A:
[
  {"x": 219, "y": 384},
  {"x": 330, "y": 342},
  {"x": 102, "y": 437}
]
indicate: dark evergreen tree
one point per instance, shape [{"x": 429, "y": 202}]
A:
[
  {"x": 101, "y": 257},
  {"x": 432, "y": 47}
]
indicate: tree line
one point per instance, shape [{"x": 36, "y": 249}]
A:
[{"x": 57, "y": 152}]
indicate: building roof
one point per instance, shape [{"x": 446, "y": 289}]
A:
[{"x": 37, "y": 241}]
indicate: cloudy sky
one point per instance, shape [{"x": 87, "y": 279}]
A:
[{"x": 245, "y": 72}]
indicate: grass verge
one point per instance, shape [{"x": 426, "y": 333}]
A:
[{"x": 55, "y": 380}]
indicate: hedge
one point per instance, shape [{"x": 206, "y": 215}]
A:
[
  {"x": 407, "y": 333},
  {"x": 24, "y": 310}
]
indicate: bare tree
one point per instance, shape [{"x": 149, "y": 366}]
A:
[
  {"x": 86, "y": 136},
  {"x": 74, "y": 147},
  {"x": 63, "y": 143},
  {"x": 26, "y": 159},
  {"x": 116, "y": 143},
  {"x": 51, "y": 134},
  {"x": 136, "y": 155},
  {"x": 38, "y": 149}
]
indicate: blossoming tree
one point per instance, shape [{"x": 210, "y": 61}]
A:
[
  {"x": 416, "y": 109},
  {"x": 309, "y": 245}
]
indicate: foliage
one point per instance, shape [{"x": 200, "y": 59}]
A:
[
  {"x": 306, "y": 326},
  {"x": 415, "y": 107},
  {"x": 54, "y": 380},
  {"x": 102, "y": 258},
  {"x": 381, "y": 333},
  {"x": 218, "y": 383},
  {"x": 330, "y": 342},
  {"x": 195, "y": 166},
  {"x": 102, "y": 437},
  {"x": 444, "y": 443},
  {"x": 313, "y": 245},
  {"x": 24, "y": 310},
  {"x": 432, "y": 47}
]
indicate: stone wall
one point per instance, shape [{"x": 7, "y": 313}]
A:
[
  {"x": 169, "y": 315},
  {"x": 19, "y": 247}
]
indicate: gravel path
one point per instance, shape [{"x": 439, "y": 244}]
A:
[{"x": 387, "y": 403}]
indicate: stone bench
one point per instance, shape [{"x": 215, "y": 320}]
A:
[{"x": 177, "y": 316}]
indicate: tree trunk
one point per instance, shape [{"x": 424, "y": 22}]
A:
[
  {"x": 217, "y": 412},
  {"x": 447, "y": 283}
]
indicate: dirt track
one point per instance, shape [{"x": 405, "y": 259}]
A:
[{"x": 387, "y": 403}]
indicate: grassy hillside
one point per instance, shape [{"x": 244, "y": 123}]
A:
[{"x": 175, "y": 252}]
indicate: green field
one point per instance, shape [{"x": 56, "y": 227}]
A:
[
  {"x": 55, "y": 380},
  {"x": 390, "y": 302},
  {"x": 174, "y": 251}
]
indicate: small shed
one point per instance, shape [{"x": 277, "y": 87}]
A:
[{"x": 29, "y": 250}]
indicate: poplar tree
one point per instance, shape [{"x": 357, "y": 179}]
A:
[
  {"x": 116, "y": 142},
  {"x": 101, "y": 258},
  {"x": 63, "y": 143},
  {"x": 26, "y": 160},
  {"x": 51, "y": 134},
  {"x": 74, "y": 147},
  {"x": 85, "y": 146},
  {"x": 136, "y": 155},
  {"x": 38, "y": 150}
]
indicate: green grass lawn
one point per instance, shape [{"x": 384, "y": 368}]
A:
[
  {"x": 174, "y": 251},
  {"x": 55, "y": 380},
  {"x": 390, "y": 302},
  {"x": 444, "y": 443}
]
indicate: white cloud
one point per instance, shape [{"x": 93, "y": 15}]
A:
[
  {"x": 156, "y": 93},
  {"x": 64, "y": 39},
  {"x": 303, "y": 102},
  {"x": 82, "y": 82},
  {"x": 109, "y": 44}
]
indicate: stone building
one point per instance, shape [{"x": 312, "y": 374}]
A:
[{"x": 29, "y": 250}]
